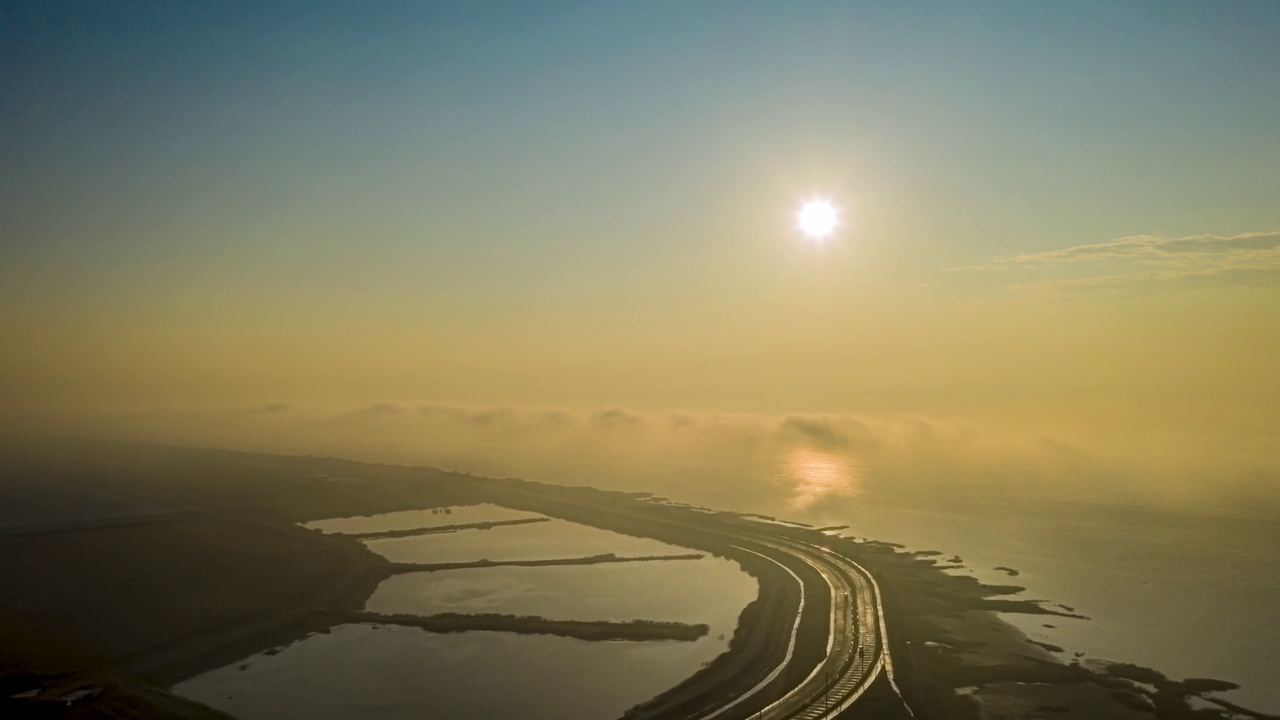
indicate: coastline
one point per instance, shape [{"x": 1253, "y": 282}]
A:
[
  {"x": 957, "y": 656},
  {"x": 961, "y": 659}
]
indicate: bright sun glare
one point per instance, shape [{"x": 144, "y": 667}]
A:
[{"x": 818, "y": 219}]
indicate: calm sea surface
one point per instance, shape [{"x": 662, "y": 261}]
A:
[
  {"x": 1192, "y": 592},
  {"x": 1190, "y": 595}
]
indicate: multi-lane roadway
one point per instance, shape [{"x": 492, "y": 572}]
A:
[
  {"x": 857, "y": 649},
  {"x": 857, "y": 652}
]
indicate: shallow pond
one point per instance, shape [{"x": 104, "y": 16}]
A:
[
  {"x": 711, "y": 590},
  {"x": 536, "y": 541},
  {"x": 363, "y": 671},
  {"x": 388, "y": 671}
]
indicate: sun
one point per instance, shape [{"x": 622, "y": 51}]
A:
[{"x": 818, "y": 218}]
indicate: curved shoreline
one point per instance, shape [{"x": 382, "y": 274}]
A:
[
  {"x": 962, "y": 657},
  {"x": 954, "y": 656}
]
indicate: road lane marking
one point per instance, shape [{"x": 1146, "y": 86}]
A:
[{"x": 791, "y": 645}]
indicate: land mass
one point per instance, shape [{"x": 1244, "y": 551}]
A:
[
  {"x": 228, "y": 572},
  {"x": 402, "y": 567},
  {"x": 411, "y": 532},
  {"x": 532, "y": 625}
]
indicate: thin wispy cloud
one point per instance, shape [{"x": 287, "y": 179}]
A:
[{"x": 1246, "y": 257}]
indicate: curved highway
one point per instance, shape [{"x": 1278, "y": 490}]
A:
[{"x": 857, "y": 649}]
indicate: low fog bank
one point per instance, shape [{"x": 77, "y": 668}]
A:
[{"x": 800, "y": 465}]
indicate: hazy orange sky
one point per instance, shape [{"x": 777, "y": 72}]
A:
[{"x": 1054, "y": 219}]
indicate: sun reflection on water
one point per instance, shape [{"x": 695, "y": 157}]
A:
[{"x": 815, "y": 475}]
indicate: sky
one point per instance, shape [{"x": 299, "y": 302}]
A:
[{"x": 1060, "y": 218}]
